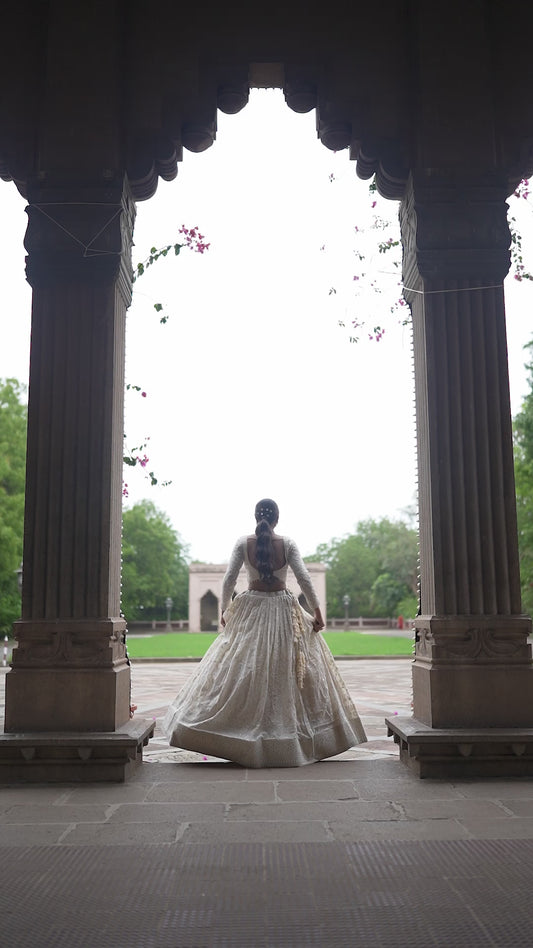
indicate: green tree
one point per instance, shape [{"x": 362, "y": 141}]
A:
[
  {"x": 154, "y": 564},
  {"x": 523, "y": 447},
  {"x": 397, "y": 545},
  {"x": 387, "y": 592},
  {"x": 13, "y": 420},
  {"x": 352, "y": 569},
  {"x": 376, "y": 567}
]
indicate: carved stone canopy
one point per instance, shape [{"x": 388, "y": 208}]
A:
[{"x": 94, "y": 91}]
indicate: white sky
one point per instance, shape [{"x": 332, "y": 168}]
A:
[{"x": 253, "y": 388}]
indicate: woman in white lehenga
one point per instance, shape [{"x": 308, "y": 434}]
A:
[{"x": 267, "y": 692}]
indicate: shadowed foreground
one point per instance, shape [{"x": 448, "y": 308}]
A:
[{"x": 350, "y": 852}]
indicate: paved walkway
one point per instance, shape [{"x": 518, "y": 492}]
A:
[{"x": 195, "y": 853}]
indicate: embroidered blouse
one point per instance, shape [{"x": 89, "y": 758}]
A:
[{"x": 292, "y": 558}]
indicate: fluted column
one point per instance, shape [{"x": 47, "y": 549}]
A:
[
  {"x": 472, "y": 662},
  {"x": 69, "y": 668}
]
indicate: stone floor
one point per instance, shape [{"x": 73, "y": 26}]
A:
[{"x": 198, "y": 853}]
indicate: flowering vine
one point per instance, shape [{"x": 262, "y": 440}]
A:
[
  {"x": 371, "y": 281},
  {"x": 190, "y": 239},
  {"x": 522, "y": 192},
  {"x": 376, "y": 290}
]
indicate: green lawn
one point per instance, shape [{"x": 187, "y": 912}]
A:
[{"x": 183, "y": 645}]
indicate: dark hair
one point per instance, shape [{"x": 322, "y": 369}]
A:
[{"x": 266, "y": 515}]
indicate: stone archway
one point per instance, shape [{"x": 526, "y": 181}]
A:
[
  {"x": 433, "y": 102},
  {"x": 208, "y": 612}
]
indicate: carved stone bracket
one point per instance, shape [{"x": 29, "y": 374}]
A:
[
  {"x": 80, "y": 235},
  {"x": 454, "y": 230},
  {"x": 479, "y": 640},
  {"x": 388, "y": 162},
  {"x": 70, "y": 643}
]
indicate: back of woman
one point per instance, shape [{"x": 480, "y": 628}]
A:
[{"x": 268, "y": 692}]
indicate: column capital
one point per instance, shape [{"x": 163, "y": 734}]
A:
[
  {"x": 80, "y": 235},
  {"x": 454, "y": 229}
]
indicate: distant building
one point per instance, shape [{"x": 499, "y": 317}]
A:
[{"x": 205, "y": 592}]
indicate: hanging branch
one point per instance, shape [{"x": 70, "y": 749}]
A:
[
  {"x": 391, "y": 245},
  {"x": 191, "y": 239}
]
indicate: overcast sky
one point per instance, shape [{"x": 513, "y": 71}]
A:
[{"x": 253, "y": 388}]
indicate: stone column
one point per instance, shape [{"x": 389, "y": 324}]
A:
[
  {"x": 70, "y": 671},
  {"x": 472, "y": 668}
]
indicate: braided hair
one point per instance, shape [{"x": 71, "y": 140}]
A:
[{"x": 266, "y": 515}]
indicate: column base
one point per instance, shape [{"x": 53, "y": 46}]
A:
[
  {"x": 473, "y": 671},
  {"x": 67, "y": 757},
  {"x": 67, "y": 699},
  {"x": 448, "y": 753}
]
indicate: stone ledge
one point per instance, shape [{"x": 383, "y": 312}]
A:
[
  {"x": 74, "y": 756},
  {"x": 446, "y": 753}
]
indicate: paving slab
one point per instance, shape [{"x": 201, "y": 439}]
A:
[
  {"x": 521, "y": 788},
  {"x": 401, "y": 787},
  {"x": 345, "y": 831},
  {"x": 37, "y": 813},
  {"x": 107, "y": 793},
  {"x": 152, "y": 773},
  {"x": 150, "y": 833},
  {"x": 244, "y": 832},
  {"x": 516, "y": 807},
  {"x": 458, "y": 809},
  {"x": 35, "y": 794},
  {"x": 331, "y": 769},
  {"x": 504, "y": 828},
  {"x": 313, "y": 810},
  {"x": 225, "y": 791},
  {"x": 168, "y": 812},
  {"x": 31, "y": 834},
  {"x": 307, "y": 790}
]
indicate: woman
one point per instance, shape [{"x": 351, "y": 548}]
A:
[{"x": 267, "y": 692}]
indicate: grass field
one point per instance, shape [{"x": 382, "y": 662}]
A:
[{"x": 183, "y": 645}]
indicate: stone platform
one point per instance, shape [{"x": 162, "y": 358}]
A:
[
  {"x": 54, "y": 757},
  {"x": 463, "y": 752}
]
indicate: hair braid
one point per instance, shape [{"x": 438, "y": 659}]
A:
[{"x": 266, "y": 515}]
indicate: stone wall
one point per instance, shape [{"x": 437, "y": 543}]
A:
[{"x": 205, "y": 578}]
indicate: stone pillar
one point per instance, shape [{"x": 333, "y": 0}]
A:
[
  {"x": 472, "y": 671},
  {"x": 70, "y": 671}
]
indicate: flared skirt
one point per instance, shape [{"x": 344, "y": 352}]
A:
[{"x": 267, "y": 692}]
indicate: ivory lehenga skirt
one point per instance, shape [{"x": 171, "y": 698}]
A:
[{"x": 267, "y": 692}]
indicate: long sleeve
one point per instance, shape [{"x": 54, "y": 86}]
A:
[
  {"x": 230, "y": 576},
  {"x": 303, "y": 578}
]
